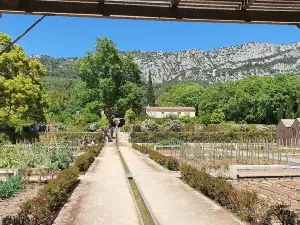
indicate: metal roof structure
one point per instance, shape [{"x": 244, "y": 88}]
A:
[{"x": 232, "y": 11}]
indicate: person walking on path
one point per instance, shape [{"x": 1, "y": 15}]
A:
[
  {"x": 112, "y": 131},
  {"x": 106, "y": 134}
]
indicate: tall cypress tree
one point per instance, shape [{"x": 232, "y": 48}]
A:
[
  {"x": 280, "y": 113},
  {"x": 150, "y": 92},
  {"x": 289, "y": 110}
]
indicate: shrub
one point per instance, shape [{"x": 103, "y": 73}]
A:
[
  {"x": 172, "y": 117},
  {"x": 10, "y": 187},
  {"x": 167, "y": 162},
  {"x": 149, "y": 125},
  {"x": 171, "y": 141},
  {"x": 103, "y": 122},
  {"x": 151, "y": 137},
  {"x": 243, "y": 203},
  {"x": 130, "y": 115},
  {"x": 217, "y": 116},
  {"x": 93, "y": 127},
  {"x": 59, "y": 126},
  {"x": 284, "y": 214},
  {"x": 84, "y": 161},
  {"x": 172, "y": 125},
  {"x": 127, "y": 127},
  {"x": 187, "y": 119},
  {"x": 43, "y": 208},
  {"x": 49, "y": 199},
  {"x": 205, "y": 119}
]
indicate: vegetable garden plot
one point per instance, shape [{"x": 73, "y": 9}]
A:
[{"x": 283, "y": 191}]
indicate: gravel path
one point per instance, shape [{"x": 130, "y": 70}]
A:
[
  {"x": 170, "y": 200},
  {"x": 103, "y": 195}
]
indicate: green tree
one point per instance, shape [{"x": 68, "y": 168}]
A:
[
  {"x": 130, "y": 115},
  {"x": 217, "y": 116},
  {"x": 280, "y": 113},
  {"x": 103, "y": 122},
  {"x": 22, "y": 101},
  {"x": 108, "y": 74},
  {"x": 186, "y": 94},
  {"x": 255, "y": 99},
  {"x": 130, "y": 98},
  {"x": 150, "y": 92},
  {"x": 289, "y": 110}
]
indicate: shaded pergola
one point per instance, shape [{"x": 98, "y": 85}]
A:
[{"x": 232, "y": 11}]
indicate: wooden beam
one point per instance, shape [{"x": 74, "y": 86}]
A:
[
  {"x": 101, "y": 2},
  {"x": 142, "y": 12},
  {"x": 246, "y": 4},
  {"x": 174, "y": 3},
  {"x": 25, "y": 4}
]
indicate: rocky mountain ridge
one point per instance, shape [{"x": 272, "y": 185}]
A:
[{"x": 222, "y": 64}]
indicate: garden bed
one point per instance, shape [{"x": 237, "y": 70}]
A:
[
  {"x": 8, "y": 206},
  {"x": 274, "y": 191}
]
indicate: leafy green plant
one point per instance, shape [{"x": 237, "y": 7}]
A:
[
  {"x": 284, "y": 214},
  {"x": 217, "y": 116},
  {"x": 171, "y": 141},
  {"x": 127, "y": 127},
  {"x": 130, "y": 115},
  {"x": 10, "y": 187},
  {"x": 149, "y": 125},
  {"x": 172, "y": 125},
  {"x": 103, "y": 122},
  {"x": 93, "y": 127}
]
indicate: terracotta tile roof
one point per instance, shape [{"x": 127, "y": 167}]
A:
[{"x": 171, "y": 109}]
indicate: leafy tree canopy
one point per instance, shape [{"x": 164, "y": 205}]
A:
[
  {"x": 255, "y": 99},
  {"x": 21, "y": 95},
  {"x": 185, "y": 94},
  {"x": 114, "y": 78}
]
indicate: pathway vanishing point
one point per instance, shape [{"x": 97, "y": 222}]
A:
[{"x": 103, "y": 195}]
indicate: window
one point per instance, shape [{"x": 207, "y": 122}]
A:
[{"x": 162, "y": 113}]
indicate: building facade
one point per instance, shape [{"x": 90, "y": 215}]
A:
[{"x": 162, "y": 112}]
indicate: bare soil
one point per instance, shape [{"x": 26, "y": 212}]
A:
[
  {"x": 280, "y": 191},
  {"x": 10, "y": 206}
]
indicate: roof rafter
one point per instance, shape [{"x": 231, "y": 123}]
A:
[
  {"x": 174, "y": 3},
  {"x": 246, "y": 4},
  {"x": 230, "y": 11}
]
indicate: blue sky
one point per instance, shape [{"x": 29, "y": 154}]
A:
[{"x": 70, "y": 36}]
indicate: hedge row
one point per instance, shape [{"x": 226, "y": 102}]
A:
[
  {"x": 154, "y": 137},
  {"x": 44, "y": 208},
  {"x": 168, "y": 162},
  {"x": 96, "y": 136},
  {"x": 243, "y": 203}
]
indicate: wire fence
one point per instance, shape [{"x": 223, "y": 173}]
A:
[{"x": 257, "y": 151}]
